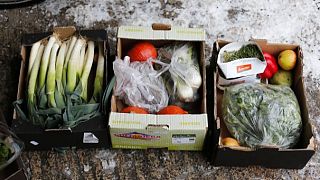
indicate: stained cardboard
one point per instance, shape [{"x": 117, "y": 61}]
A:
[
  {"x": 220, "y": 155},
  {"x": 90, "y": 134},
  {"x": 175, "y": 132}
]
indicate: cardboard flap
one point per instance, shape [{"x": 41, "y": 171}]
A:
[
  {"x": 260, "y": 41},
  {"x": 64, "y": 32},
  {"x": 312, "y": 145},
  {"x": 188, "y": 121},
  {"x": 238, "y": 148},
  {"x": 130, "y": 120},
  {"x": 174, "y": 33},
  {"x": 218, "y": 122}
]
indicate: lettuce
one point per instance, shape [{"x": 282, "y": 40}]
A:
[{"x": 260, "y": 115}]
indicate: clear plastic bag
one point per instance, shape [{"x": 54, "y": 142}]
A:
[
  {"x": 138, "y": 84},
  {"x": 10, "y": 145},
  {"x": 260, "y": 115},
  {"x": 183, "y": 78}
]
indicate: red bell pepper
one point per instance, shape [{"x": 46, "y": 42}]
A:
[{"x": 272, "y": 66}]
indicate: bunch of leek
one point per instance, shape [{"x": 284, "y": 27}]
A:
[{"x": 58, "y": 76}]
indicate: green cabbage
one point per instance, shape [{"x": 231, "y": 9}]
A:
[
  {"x": 4, "y": 152},
  {"x": 260, "y": 115}
]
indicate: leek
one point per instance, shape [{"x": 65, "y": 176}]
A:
[
  {"x": 86, "y": 70},
  {"x": 59, "y": 92},
  {"x": 45, "y": 61},
  {"x": 69, "y": 50},
  {"x": 81, "y": 60},
  {"x": 51, "y": 80},
  {"x": 72, "y": 66},
  {"x": 43, "y": 73},
  {"x": 33, "y": 55},
  {"x": 31, "y": 97},
  {"x": 98, "y": 81}
]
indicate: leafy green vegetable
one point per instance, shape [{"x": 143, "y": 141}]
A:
[
  {"x": 246, "y": 51},
  {"x": 4, "y": 153},
  {"x": 262, "y": 115}
]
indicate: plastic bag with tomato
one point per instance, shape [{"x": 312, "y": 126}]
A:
[{"x": 138, "y": 84}]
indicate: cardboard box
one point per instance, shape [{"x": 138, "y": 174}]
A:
[
  {"x": 223, "y": 83},
  {"x": 221, "y": 155},
  {"x": 175, "y": 132},
  {"x": 91, "y": 133},
  {"x": 14, "y": 171}
]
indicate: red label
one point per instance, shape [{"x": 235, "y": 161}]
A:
[
  {"x": 244, "y": 67},
  {"x": 136, "y": 135}
]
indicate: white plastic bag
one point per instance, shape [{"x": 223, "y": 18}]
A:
[
  {"x": 183, "y": 78},
  {"x": 138, "y": 84}
]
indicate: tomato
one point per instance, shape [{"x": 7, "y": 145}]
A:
[
  {"x": 134, "y": 110},
  {"x": 142, "y": 51},
  {"x": 272, "y": 66},
  {"x": 172, "y": 110}
]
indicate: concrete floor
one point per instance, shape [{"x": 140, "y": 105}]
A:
[{"x": 286, "y": 21}]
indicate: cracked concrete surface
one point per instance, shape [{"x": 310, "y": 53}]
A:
[{"x": 286, "y": 21}]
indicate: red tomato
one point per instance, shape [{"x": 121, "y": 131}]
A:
[
  {"x": 134, "y": 109},
  {"x": 172, "y": 110},
  {"x": 271, "y": 68},
  {"x": 142, "y": 51}
]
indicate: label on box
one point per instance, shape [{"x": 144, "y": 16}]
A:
[
  {"x": 244, "y": 67},
  {"x": 136, "y": 135},
  {"x": 35, "y": 143},
  {"x": 183, "y": 138},
  {"x": 90, "y": 138}
]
